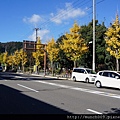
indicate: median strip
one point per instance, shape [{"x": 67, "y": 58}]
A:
[{"x": 27, "y": 88}]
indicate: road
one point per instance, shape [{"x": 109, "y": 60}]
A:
[{"x": 28, "y": 94}]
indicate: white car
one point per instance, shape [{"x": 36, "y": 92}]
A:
[
  {"x": 83, "y": 74},
  {"x": 107, "y": 78}
]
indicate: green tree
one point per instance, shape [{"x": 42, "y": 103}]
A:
[{"x": 86, "y": 32}]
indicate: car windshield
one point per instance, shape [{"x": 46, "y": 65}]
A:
[{"x": 90, "y": 71}]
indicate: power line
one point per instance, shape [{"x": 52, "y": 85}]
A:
[
  {"x": 75, "y": 4},
  {"x": 60, "y": 15},
  {"x": 63, "y": 14}
]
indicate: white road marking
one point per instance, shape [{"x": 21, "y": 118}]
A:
[
  {"x": 27, "y": 88},
  {"x": 94, "y": 111},
  {"x": 83, "y": 89}
]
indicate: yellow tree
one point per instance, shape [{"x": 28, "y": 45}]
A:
[
  {"x": 73, "y": 44},
  {"x": 10, "y": 60},
  {"x": 113, "y": 40},
  {"x": 23, "y": 58},
  {"x": 38, "y": 54},
  {"x": 1, "y": 58},
  {"x": 16, "y": 58},
  {"x": 52, "y": 51},
  {"x": 5, "y": 57}
]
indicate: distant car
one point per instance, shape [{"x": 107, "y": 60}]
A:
[
  {"x": 107, "y": 78},
  {"x": 83, "y": 74},
  {"x": 1, "y": 69}
]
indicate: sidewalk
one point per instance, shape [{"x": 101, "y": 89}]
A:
[
  {"x": 63, "y": 77},
  {"x": 51, "y": 76}
]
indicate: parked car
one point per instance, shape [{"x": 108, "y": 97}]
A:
[
  {"x": 1, "y": 69},
  {"x": 108, "y": 79},
  {"x": 83, "y": 74}
]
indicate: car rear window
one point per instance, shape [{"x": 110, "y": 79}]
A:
[{"x": 79, "y": 70}]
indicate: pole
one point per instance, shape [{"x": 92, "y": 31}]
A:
[
  {"x": 93, "y": 66},
  {"x": 45, "y": 60},
  {"x": 36, "y": 29}
]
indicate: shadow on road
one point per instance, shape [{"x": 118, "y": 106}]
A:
[
  {"x": 12, "y": 101},
  {"x": 15, "y": 76},
  {"x": 113, "y": 111}
]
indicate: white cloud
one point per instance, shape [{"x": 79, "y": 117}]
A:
[
  {"x": 41, "y": 33},
  {"x": 34, "y": 19},
  {"x": 67, "y": 13}
]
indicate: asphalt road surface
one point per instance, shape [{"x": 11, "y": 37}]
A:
[{"x": 27, "y": 94}]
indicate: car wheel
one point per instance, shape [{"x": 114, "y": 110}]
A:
[
  {"x": 98, "y": 84},
  {"x": 87, "y": 80},
  {"x": 74, "y": 79}
]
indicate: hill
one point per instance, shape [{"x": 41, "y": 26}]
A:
[{"x": 10, "y": 47}]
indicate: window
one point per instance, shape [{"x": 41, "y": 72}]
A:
[
  {"x": 100, "y": 73},
  {"x": 114, "y": 75},
  {"x": 75, "y": 70},
  {"x": 82, "y": 71},
  {"x": 90, "y": 71},
  {"x": 106, "y": 74},
  {"x": 79, "y": 70}
]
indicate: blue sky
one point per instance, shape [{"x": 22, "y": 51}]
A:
[{"x": 18, "y": 18}]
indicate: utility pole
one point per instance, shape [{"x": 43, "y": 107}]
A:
[
  {"x": 36, "y": 29},
  {"x": 93, "y": 65}
]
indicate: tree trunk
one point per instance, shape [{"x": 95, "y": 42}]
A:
[
  {"x": 117, "y": 64},
  {"x": 117, "y": 61},
  {"x": 74, "y": 64},
  {"x": 52, "y": 67},
  {"x": 23, "y": 68}
]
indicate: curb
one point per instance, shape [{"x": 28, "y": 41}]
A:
[
  {"x": 48, "y": 76},
  {"x": 52, "y": 77}
]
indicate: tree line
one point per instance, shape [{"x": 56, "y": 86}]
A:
[{"x": 73, "y": 49}]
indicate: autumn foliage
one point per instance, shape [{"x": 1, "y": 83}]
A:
[{"x": 73, "y": 44}]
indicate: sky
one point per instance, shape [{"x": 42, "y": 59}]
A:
[{"x": 19, "y": 18}]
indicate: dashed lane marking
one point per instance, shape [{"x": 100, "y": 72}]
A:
[
  {"x": 96, "y": 112},
  {"x": 27, "y": 88}
]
